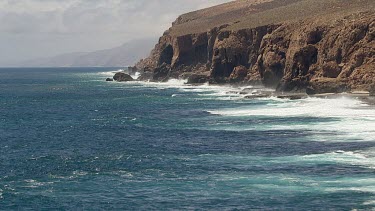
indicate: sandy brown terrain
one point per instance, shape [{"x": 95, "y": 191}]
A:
[{"x": 253, "y": 13}]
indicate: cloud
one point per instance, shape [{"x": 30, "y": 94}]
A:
[
  {"x": 73, "y": 25},
  {"x": 86, "y": 16}
]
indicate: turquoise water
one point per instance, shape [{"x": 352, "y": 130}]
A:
[{"x": 71, "y": 141}]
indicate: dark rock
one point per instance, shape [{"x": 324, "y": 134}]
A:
[
  {"x": 326, "y": 85},
  {"x": 109, "y": 79},
  {"x": 314, "y": 37},
  {"x": 122, "y": 77},
  {"x": 257, "y": 96},
  {"x": 303, "y": 59},
  {"x": 372, "y": 90},
  {"x": 161, "y": 73},
  {"x": 292, "y": 96},
  {"x": 272, "y": 67},
  {"x": 239, "y": 73},
  {"x": 197, "y": 79},
  {"x": 132, "y": 70},
  {"x": 146, "y": 76},
  {"x": 331, "y": 70}
]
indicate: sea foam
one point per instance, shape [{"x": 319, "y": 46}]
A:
[{"x": 349, "y": 118}]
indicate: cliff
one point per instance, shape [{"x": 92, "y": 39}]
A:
[{"x": 292, "y": 45}]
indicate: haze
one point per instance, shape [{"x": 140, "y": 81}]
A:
[{"x": 32, "y": 29}]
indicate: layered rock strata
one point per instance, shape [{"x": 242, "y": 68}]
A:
[{"x": 315, "y": 46}]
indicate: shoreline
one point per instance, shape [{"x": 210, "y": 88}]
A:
[{"x": 254, "y": 91}]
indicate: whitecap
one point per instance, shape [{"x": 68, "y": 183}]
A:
[
  {"x": 172, "y": 83},
  {"x": 108, "y": 73},
  {"x": 349, "y": 119},
  {"x": 136, "y": 75},
  {"x": 357, "y": 158},
  {"x": 315, "y": 107},
  {"x": 370, "y": 202},
  {"x": 35, "y": 184}
]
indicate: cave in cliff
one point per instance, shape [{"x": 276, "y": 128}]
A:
[{"x": 280, "y": 44}]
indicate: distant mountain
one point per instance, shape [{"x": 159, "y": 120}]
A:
[{"x": 124, "y": 55}]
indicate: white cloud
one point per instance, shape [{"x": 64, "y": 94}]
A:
[{"x": 82, "y": 25}]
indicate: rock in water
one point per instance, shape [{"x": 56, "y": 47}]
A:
[
  {"x": 197, "y": 79},
  {"x": 326, "y": 85},
  {"x": 121, "y": 77},
  {"x": 146, "y": 76},
  {"x": 109, "y": 79}
]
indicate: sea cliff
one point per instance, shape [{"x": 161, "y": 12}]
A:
[{"x": 313, "y": 46}]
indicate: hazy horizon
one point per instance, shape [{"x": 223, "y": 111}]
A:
[{"x": 32, "y": 29}]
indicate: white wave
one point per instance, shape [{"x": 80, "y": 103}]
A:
[
  {"x": 111, "y": 73},
  {"x": 350, "y": 118},
  {"x": 370, "y": 202},
  {"x": 352, "y": 184},
  {"x": 354, "y": 158},
  {"x": 108, "y": 73},
  {"x": 204, "y": 90},
  {"x": 219, "y": 92},
  {"x": 172, "y": 83},
  {"x": 35, "y": 184},
  {"x": 292, "y": 183},
  {"x": 136, "y": 75},
  {"x": 344, "y": 157},
  {"x": 315, "y": 107},
  {"x": 80, "y": 173}
]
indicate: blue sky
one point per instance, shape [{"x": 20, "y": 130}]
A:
[{"x": 42, "y": 28}]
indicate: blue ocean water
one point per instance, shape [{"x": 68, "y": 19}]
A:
[{"x": 71, "y": 141}]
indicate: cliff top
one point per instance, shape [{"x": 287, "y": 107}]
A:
[{"x": 253, "y": 13}]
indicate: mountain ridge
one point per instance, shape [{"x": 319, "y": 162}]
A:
[{"x": 126, "y": 54}]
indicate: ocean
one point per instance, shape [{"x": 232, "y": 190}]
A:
[{"x": 71, "y": 141}]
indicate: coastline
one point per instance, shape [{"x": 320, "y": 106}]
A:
[
  {"x": 253, "y": 91},
  {"x": 328, "y": 50}
]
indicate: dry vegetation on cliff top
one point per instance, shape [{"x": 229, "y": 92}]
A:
[{"x": 253, "y": 13}]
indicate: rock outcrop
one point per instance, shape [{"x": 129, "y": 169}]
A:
[
  {"x": 316, "y": 46},
  {"x": 122, "y": 77},
  {"x": 372, "y": 90},
  {"x": 197, "y": 79}
]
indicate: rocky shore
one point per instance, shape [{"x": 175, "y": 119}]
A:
[{"x": 303, "y": 46}]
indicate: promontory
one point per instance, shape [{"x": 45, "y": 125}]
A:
[{"x": 317, "y": 46}]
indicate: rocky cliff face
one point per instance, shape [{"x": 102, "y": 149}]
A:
[{"x": 291, "y": 45}]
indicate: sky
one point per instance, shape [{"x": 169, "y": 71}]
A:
[{"x": 32, "y": 29}]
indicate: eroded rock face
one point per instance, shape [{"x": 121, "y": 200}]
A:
[
  {"x": 326, "y": 85},
  {"x": 161, "y": 73},
  {"x": 331, "y": 69},
  {"x": 146, "y": 76},
  {"x": 239, "y": 73},
  {"x": 333, "y": 53}
]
